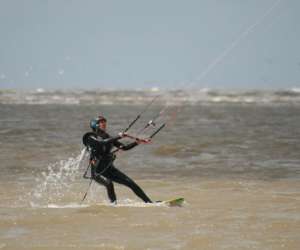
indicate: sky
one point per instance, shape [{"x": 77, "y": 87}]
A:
[{"x": 95, "y": 44}]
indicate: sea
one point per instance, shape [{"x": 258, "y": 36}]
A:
[{"x": 233, "y": 155}]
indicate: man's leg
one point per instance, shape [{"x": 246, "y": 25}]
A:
[
  {"x": 105, "y": 182},
  {"x": 116, "y": 175},
  {"x": 109, "y": 186}
]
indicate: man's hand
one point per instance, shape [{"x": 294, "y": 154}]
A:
[{"x": 122, "y": 134}]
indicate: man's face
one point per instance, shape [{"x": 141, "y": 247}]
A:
[{"x": 102, "y": 124}]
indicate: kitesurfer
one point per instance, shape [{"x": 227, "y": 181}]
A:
[{"x": 103, "y": 171}]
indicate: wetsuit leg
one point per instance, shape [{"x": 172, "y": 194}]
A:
[
  {"x": 109, "y": 187},
  {"x": 107, "y": 183},
  {"x": 116, "y": 175}
]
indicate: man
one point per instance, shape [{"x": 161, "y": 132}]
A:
[{"x": 100, "y": 145}]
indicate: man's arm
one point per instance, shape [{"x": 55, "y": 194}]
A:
[
  {"x": 90, "y": 139},
  {"x": 129, "y": 146},
  {"x": 122, "y": 146}
]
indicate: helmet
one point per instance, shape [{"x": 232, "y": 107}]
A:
[{"x": 94, "y": 123}]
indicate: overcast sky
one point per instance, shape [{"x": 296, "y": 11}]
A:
[{"x": 141, "y": 44}]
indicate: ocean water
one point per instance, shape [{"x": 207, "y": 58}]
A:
[{"x": 233, "y": 157}]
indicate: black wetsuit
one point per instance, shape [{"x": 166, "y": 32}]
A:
[{"x": 102, "y": 169}]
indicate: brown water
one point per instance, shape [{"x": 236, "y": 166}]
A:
[{"x": 237, "y": 166}]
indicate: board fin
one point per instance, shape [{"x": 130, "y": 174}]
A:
[{"x": 177, "y": 202}]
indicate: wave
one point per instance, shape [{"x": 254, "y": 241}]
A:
[{"x": 136, "y": 97}]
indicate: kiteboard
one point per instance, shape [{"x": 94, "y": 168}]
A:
[{"x": 177, "y": 202}]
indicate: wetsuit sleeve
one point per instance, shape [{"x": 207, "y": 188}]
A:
[
  {"x": 130, "y": 146},
  {"x": 125, "y": 147},
  {"x": 92, "y": 141},
  {"x": 112, "y": 139}
]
